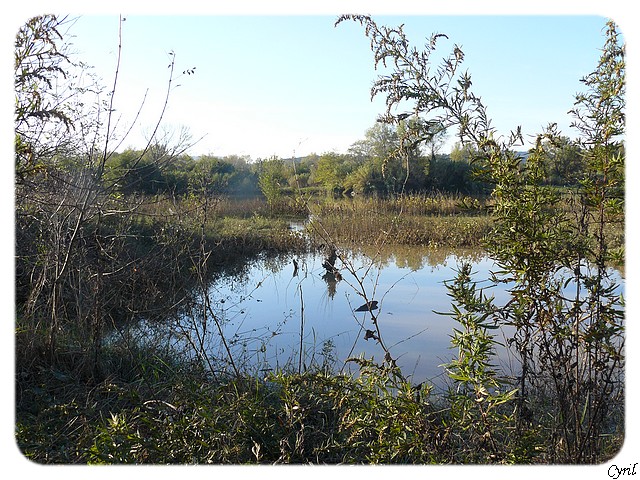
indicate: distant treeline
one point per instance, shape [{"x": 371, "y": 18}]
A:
[{"x": 372, "y": 166}]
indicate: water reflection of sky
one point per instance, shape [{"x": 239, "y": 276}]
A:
[
  {"x": 266, "y": 306},
  {"x": 265, "y": 310}
]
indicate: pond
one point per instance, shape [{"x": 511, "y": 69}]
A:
[{"x": 290, "y": 312}]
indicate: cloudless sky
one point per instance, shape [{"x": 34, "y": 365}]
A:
[{"x": 275, "y": 85}]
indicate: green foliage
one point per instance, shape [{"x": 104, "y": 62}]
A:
[
  {"x": 447, "y": 175},
  {"x": 564, "y": 161},
  {"x": 361, "y": 171},
  {"x": 317, "y": 417},
  {"x": 463, "y": 152},
  {"x": 212, "y": 173},
  {"x": 387, "y": 420},
  {"x": 545, "y": 250},
  {"x": 131, "y": 171},
  {"x": 40, "y": 62},
  {"x": 271, "y": 179},
  {"x": 332, "y": 170},
  {"x": 540, "y": 248},
  {"x": 137, "y": 171},
  {"x": 476, "y": 403}
]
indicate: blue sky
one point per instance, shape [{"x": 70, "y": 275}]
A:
[{"x": 272, "y": 85}]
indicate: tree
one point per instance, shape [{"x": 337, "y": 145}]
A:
[
  {"x": 462, "y": 153},
  {"x": 600, "y": 116},
  {"x": 332, "y": 170},
  {"x": 395, "y": 157},
  {"x": 570, "y": 346},
  {"x": 564, "y": 163},
  {"x": 213, "y": 173},
  {"x": 364, "y": 180},
  {"x": 271, "y": 179},
  {"x": 45, "y": 115},
  {"x": 73, "y": 257},
  {"x": 55, "y": 186},
  {"x": 446, "y": 175},
  {"x": 434, "y": 144},
  {"x": 440, "y": 97},
  {"x": 411, "y": 161}
]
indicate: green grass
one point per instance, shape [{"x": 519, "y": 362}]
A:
[
  {"x": 439, "y": 221},
  {"x": 369, "y": 228},
  {"x": 153, "y": 408}
]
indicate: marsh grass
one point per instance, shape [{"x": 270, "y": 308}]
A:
[
  {"x": 366, "y": 229},
  {"x": 433, "y": 221},
  {"x": 155, "y": 407},
  {"x": 252, "y": 224},
  {"x": 436, "y": 203},
  {"x": 240, "y": 226},
  {"x": 234, "y": 226}
]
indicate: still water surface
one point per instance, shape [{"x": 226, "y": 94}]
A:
[
  {"x": 274, "y": 311},
  {"x": 273, "y": 314}
]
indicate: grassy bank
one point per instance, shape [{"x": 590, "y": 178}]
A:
[
  {"x": 244, "y": 226},
  {"x": 433, "y": 221},
  {"x": 153, "y": 408}
]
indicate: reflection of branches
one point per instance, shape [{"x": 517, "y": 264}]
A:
[
  {"x": 356, "y": 280},
  {"x": 301, "y": 329},
  {"x": 332, "y": 283}
]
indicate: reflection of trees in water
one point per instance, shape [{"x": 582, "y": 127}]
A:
[
  {"x": 237, "y": 269},
  {"x": 332, "y": 283},
  {"x": 236, "y": 290},
  {"x": 276, "y": 263},
  {"x": 242, "y": 270},
  {"x": 416, "y": 258}
]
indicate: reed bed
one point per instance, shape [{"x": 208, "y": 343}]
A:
[
  {"x": 437, "y": 204},
  {"x": 372, "y": 229},
  {"x": 419, "y": 220}
]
